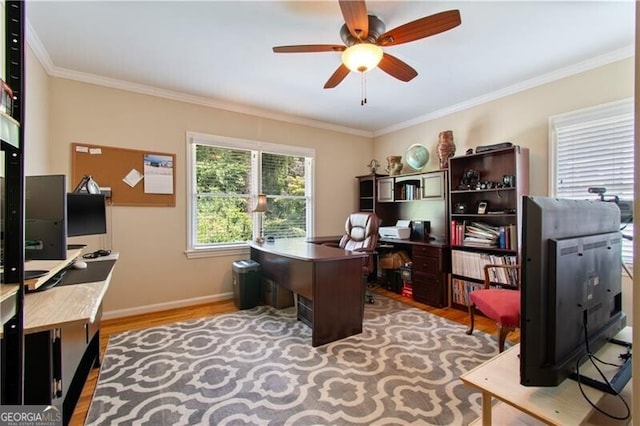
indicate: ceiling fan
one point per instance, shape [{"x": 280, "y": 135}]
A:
[{"x": 364, "y": 36}]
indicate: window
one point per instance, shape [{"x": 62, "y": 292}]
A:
[
  {"x": 226, "y": 175},
  {"x": 594, "y": 148}
]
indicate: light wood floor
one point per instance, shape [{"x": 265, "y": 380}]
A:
[{"x": 109, "y": 327}]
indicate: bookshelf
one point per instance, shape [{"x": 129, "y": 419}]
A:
[
  {"x": 369, "y": 198},
  {"x": 486, "y": 192}
]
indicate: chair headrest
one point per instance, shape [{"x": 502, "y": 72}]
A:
[{"x": 360, "y": 226}]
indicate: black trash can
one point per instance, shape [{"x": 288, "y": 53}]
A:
[{"x": 246, "y": 284}]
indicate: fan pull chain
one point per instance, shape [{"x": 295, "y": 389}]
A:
[{"x": 363, "y": 89}]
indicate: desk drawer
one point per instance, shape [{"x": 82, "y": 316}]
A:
[
  {"x": 427, "y": 265},
  {"x": 428, "y": 289},
  {"x": 426, "y": 251}
]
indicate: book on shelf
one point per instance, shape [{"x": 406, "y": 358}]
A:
[
  {"x": 471, "y": 265},
  {"x": 483, "y": 235},
  {"x": 460, "y": 290},
  {"x": 508, "y": 237}
]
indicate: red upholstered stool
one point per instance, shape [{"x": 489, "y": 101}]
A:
[{"x": 502, "y": 306}]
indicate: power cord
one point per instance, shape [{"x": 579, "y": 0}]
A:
[
  {"x": 626, "y": 356},
  {"x": 96, "y": 254}
]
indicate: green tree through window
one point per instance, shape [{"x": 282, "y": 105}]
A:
[
  {"x": 283, "y": 181},
  {"x": 226, "y": 179}
]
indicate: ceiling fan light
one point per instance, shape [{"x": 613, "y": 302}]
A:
[{"x": 362, "y": 57}]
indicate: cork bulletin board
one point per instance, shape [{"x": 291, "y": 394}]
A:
[{"x": 151, "y": 175}]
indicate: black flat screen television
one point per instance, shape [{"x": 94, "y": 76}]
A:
[
  {"x": 571, "y": 276},
  {"x": 86, "y": 214},
  {"x": 45, "y": 226}
]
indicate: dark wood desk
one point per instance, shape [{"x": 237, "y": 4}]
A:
[
  {"x": 431, "y": 264},
  {"x": 327, "y": 280}
]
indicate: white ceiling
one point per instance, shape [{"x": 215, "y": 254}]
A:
[{"x": 219, "y": 53}]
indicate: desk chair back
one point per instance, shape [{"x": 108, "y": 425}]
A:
[{"x": 361, "y": 232}]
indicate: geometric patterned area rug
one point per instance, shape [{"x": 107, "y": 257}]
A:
[{"x": 257, "y": 367}]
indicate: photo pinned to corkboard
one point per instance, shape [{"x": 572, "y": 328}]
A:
[{"x": 134, "y": 177}]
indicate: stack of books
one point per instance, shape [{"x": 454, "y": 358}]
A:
[
  {"x": 483, "y": 235},
  {"x": 478, "y": 234}
]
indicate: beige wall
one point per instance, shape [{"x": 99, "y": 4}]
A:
[
  {"x": 36, "y": 143},
  {"x": 153, "y": 272},
  {"x": 521, "y": 118}
]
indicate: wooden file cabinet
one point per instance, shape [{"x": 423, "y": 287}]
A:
[{"x": 429, "y": 274}]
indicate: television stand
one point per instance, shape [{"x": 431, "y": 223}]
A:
[{"x": 560, "y": 405}]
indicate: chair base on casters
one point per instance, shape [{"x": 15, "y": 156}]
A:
[{"x": 368, "y": 296}]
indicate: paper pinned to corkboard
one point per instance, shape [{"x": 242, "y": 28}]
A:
[{"x": 110, "y": 165}]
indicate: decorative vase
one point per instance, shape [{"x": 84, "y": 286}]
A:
[
  {"x": 394, "y": 165},
  {"x": 446, "y": 148}
]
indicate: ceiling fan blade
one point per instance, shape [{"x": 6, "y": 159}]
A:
[
  {"x": 356, "y": 17},
  {"x": 396, "y": 68},
  {"x": 310, "y": 48},
  {"x": 421, "y": 28},
  {"x": 337, "y": 77}
]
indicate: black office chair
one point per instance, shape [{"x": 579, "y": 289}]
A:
[{"x": 361, "y": 235}]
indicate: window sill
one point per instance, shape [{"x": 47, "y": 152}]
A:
[{"x": 241, "y": 249}]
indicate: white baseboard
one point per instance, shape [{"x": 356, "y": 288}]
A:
[{"x": 138, "y": 310}]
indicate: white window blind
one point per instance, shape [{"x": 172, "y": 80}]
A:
[{"x": 594, "y": 148}]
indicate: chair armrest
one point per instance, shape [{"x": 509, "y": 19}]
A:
[{"x": 487, "y": 279}]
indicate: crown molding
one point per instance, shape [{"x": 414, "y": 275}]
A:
[
  {"x": 38, "y": 49},
  {"x": 598, "y": 61},
  {"x": 43, "y": 56}
]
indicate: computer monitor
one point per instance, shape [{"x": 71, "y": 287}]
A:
[
  {"x": 86, "y": 214},
  {"x": 45, "y": 227}
]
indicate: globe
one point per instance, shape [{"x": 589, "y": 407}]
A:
[{"x": 417, "y": 156}]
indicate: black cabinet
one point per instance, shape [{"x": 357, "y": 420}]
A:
[
  {"x": 12, "y": 194},
  {"x": 59, "y": 361}
]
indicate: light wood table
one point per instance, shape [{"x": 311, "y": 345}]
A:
[
  {"x": 65, "y": 304},
  {"x": 8, "y": 301},
  {"x": 9, "y": 291},
  {"x": 62, "y": 333},
  {"x": 499, "y": 378},
  {"x": 52, "y": 266}
]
